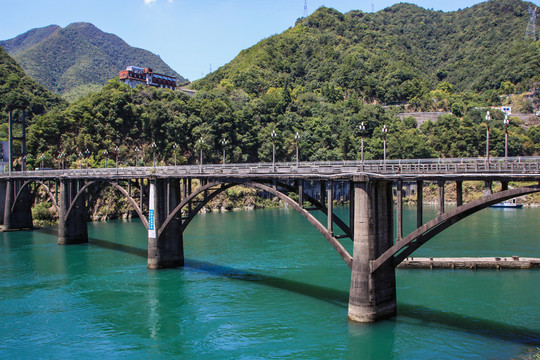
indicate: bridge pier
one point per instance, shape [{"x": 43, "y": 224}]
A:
[
  {"x": 73, "y": 214},
  {"x": 165, "y": 249},
  {"x": 17, "y": 206},
  {"x": 372, "y": 296}
]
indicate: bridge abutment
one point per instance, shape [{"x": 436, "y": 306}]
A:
[
  {"x": 165, "y": 249},
  {"x": 72, "y": 217},
  {"x": 372, "y": 295}
]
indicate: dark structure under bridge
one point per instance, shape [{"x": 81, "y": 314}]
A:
[{"x": 168, "y": 198}]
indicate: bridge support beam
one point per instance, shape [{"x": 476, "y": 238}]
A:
[
  {"x": 166, "y": 249},
  {"x": 17, "y": 209},
  {"x": 419, "y": 203},
  {"x": 72, "y": 226},
  {"x": 459, "y": 193},
  {"x": 440, "y": 198},
  {"x": 372, "y": 295},
  {"x": 399, "y": 209}
]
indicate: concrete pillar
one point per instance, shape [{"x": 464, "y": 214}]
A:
[
  {"x": 330, "y": 206},
  {"x": 399, "y": 209},
  {"x": 3, "y": 188},
  {"x": 301, "y": 192},
  {"x": 72, "y": 227},
  {"x": 372, "y": 296},
  {"x": 17, "y": 207},
  {"x": 419, "y": 203},
  {"x": 165, "y": 250},
  {"x": 323, "y": 192},
  {"x": 459, "y": 193},
  {"x": 8, "y": 204},
  {"x": 440, "y": 197},
  {"x": 351, "y": 206}
]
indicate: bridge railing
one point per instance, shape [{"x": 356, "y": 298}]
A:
[{"x": 514, "y": 165}]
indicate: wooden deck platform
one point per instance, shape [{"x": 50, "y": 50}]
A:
[{"x": 514, "y": 262}]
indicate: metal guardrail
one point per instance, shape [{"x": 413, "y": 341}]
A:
[{"x": 514, "y": 165}]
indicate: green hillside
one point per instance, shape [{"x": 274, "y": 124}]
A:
[
  {"x": 79, "y": 58},
  {"x": 398, "y": 54},
  {"x": 17, "y": 90},
  {"x": 322, "y": 79}
]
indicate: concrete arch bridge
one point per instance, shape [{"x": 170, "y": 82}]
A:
[{"x": 168, "y": 198}]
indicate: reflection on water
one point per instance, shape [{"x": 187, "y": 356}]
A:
[{"x": 261, "y": 284}]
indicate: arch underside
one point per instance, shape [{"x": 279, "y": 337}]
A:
[
  {"x": 115, "y": 185},
  {"x": 47, "y": 191},
  {"x": 405, "y": 247},
  {"x": 211, "y": 190}
]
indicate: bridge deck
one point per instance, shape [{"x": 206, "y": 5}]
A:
[{"x": 525, "y": 169}]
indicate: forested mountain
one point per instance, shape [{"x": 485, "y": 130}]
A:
[
  {"x": 17, "y": 90},
  {"x": 78, "y": 58},
  {"x": 398, "y": 54}
]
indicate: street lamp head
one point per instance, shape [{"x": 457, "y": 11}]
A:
[
  {"x": 384, "y": 130},
  {"x": 175, "y": 146},
  {"x": 105, "y": 152},
  {"x": 488, "y": 116},
  {"x": 116, "y": 148},
  {"x": 154, "y": 145},
  {"x": 223, "y": 142},
  {"x": 297, "y": 137},
  {"x": 362, "y": 127},
  {"x": 506, "y": 121}
]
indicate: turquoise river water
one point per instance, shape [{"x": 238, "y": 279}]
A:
[{"x": 262, "y": 284}]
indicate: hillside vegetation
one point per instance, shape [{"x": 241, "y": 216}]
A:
[
  {"x": 79, "y": 58},
  {"x": 19, "y": 91},
  {"x": 402, "y": 54},
  {"x": 320, "y": 79}
]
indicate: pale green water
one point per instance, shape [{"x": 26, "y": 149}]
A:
[{"x": 262, "y": 285}]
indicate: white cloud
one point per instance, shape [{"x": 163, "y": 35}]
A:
[{"x": 150, "y": 2}]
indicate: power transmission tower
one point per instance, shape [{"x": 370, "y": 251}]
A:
[
  {"x": 305, "y": 9},
  {"x": 530, "y": 33}
]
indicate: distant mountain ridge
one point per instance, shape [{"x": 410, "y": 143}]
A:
[{"x": 78, "y": 58}]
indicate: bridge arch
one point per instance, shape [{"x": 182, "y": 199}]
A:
[
  {"x": 114, "y": 184},
  {"x": 27, "y": 184},
  {"x": 410, "y": 243},
  {"x": 214, "y": 188}
]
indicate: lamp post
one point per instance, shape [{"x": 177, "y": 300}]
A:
[
  {"x": 297, "y": 140},
  {"x": 506, "y": 123},
  {"x": 81, "y": 155},
  {"x": 488, "y": 118},
  {"x": 116, "y": 151},
  {"x": 200, "y": 142},
  {"x": 362, "y": 128},
  {"x": 87, "y": 155},
  {"x": 137, "y": 156},
  {"x": 175, "y": 146},
  {"x": 41, "y": 161},
  {"x": 24, "y": 163},
  {"x": 106, "y": 153},
  {"x": 273, "y": 135},
  {"x": 384, "y": 131},
  {"x": 223, "y": 143}
]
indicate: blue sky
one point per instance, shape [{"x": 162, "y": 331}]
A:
[{"x": 190, "y": 36}]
